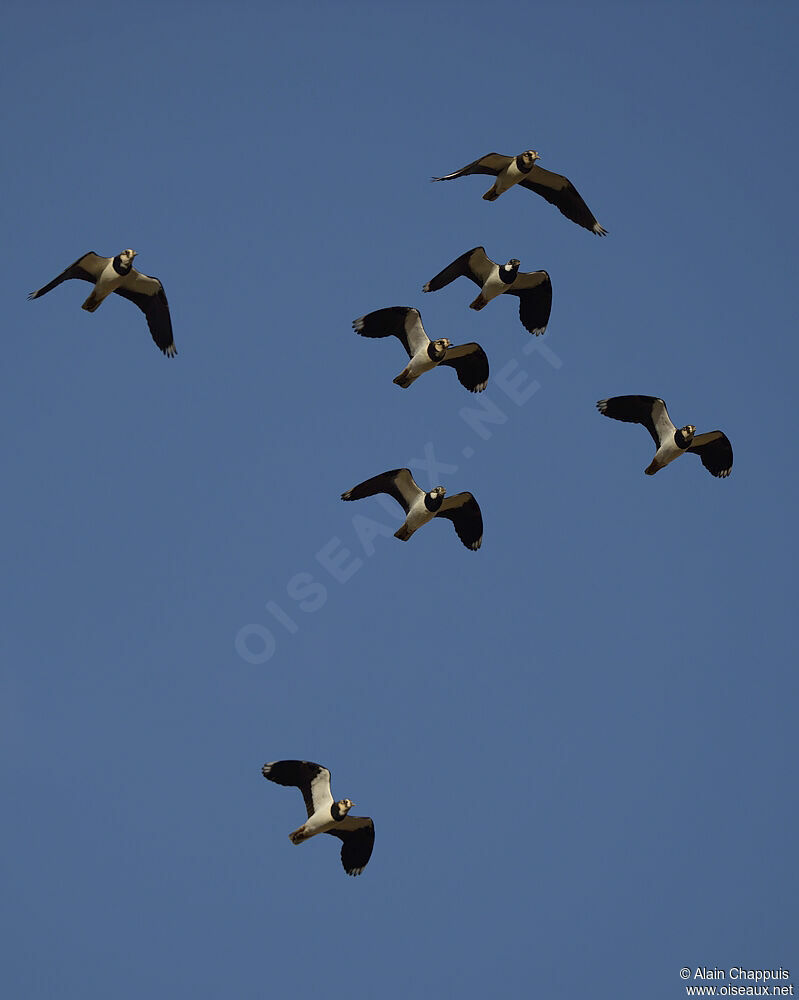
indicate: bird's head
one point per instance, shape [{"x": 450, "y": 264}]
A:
[
  {"x": 344, "y": 806},
  {"x": 687, "y": 434},
  {"x": 512, "y": 267},
  {"x": 434, "y": 498},
  {"x": 440, "y": 347},
  {"x": 127, "y": 256},
  {"x": 529, "y": 156}
]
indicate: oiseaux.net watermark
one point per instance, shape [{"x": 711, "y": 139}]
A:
[
  {"x": 307, "y": 593},
  {"x": 736, "y": 981}
]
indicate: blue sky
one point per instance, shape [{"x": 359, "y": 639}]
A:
[{"x": 578, "y": 744}]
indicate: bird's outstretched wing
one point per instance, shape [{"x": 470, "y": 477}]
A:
[
  {"x": 560, "y": 192},
  {"x": 313, "y": 781},
  {"x": 89, "y": 267},
  {"x": 149, "y": 295},
  {"x": 398, "y": 483},
  {"x": 464, "y": 512},
  {"x": 470, "y": 364},
  {"x": 534, "y": 290},
  {"x": 357, "y": 836},
  {"x": 647, "y": 410},
  {"x": 491, "y": 163},
  {"x": 474, "y": 264},
  {"x": 402, "y": 322},
  {"x": 715, "y": 450}
]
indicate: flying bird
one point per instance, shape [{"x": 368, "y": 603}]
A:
[
  {"x": 713, "y": 447},
  {"x": 117, "y": 274},
  {"x": 404, "y": 323},
  {"x": 509, "y": 170},
  {"x": 420, "y": 507},
  {"x": 356, "y": 833},
  {"x": 533, "y": 288}
]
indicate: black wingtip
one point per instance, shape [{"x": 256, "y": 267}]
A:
[{"x": 31, "y": 296}]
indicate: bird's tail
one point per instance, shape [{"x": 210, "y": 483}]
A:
[
  {"x": 403, "y": 380},
  {"x": 479, "y": 303},
  {"x": 491, "y": 194},
  {"x": 404, "y": 533},
  {"x": 653, "y": 468},
  {"x": 92, "y": 303}
]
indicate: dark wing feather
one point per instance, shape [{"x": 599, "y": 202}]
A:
[
  {"x": 149, "y": 295},
  {"x": 402, "y": 322},
  {"x": 357, "y": 836},
  {"x": 474, "y": 264},
  {"x": 534, "y": 290},
  {"x": 470, "y": 364},
  {"x": 464, "y": 512},
  {"x": 715, "y": 450},
  {"x": 650, "y": 411},
  {"x": 313, "y": 780},
  {"x": 491, "y": 163},
  {"x": 560, "y": 192},
  {"x": 89, "y": 267},
  {"x": 398, "y": 483}
]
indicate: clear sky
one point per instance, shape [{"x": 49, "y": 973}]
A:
[{"x": 579, "y": 743}]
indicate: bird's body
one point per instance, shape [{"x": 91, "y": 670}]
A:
[
  {"x": 532, "y": 288},
  {"x": 522, "y": 169},
  {"x": 423, "y": 509},
  {"x": 117, "y": 274},
  {"x": 516, "y": 170},
  {"x": 356, "y": 833},
  {"x": 499, "y": 280},
  {"x": 403, "y": 322},
  {"x": 713, "y": 447},
  {"x": 108, "y": 281},
  {"x": 425, "y": 361},
  {"x": 420, "y": 507}
]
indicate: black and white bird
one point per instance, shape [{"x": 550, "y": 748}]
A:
[
  {"x": 533, "y": 288},
  {"x": 420, "y": 507},
  {"x": 405, "y": 323},
  {"x": 713, "y": 447},
  {"x": 509, "y": 170},
  {"x": 356, "y": 833},
  {"x": 117, "y": 274}
]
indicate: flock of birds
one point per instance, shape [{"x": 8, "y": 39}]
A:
[{"x": 534, "y": 291}]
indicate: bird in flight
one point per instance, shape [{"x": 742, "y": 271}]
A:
[
  {"x": 420, "y": 507},
  {"x": 523, "y": 170},
  {"x": 404, "y": 323},
  {"x": 712, "y": 447},
  {"x": 356, "y": 833},
  {"x": 117, "y": 274}
]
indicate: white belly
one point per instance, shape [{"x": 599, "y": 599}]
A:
[
  {"x": 107, "y": 282},
  {"x": 417, "y": 516},
  {"x": 494, "y": 286},
  {"x": 319, "y": 822},
  {"x": 419, "y": 364},
  {"x": 510, "y": 175},
  {"x": 667, "y": 452}
]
